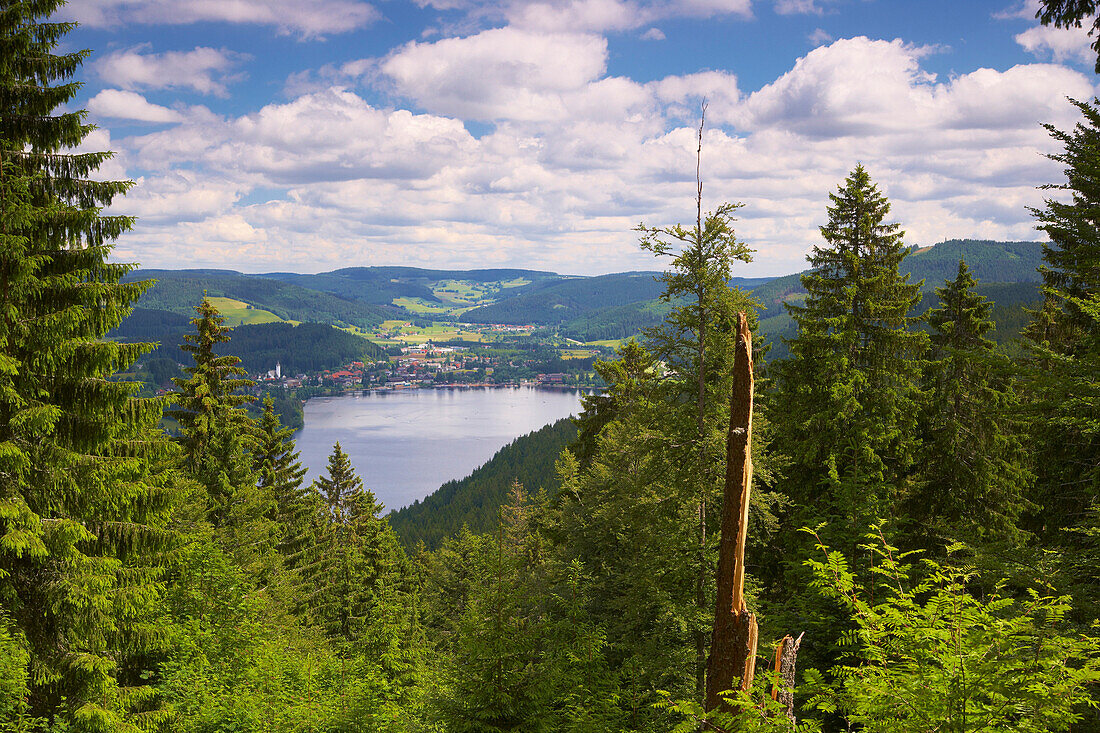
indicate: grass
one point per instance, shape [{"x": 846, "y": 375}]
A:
[
  {"x": 237, "y": 312},
  {"x": 611, "y": 343},
  {"x": 402, "y": 332},
  {"x": 424, "y": 307},
  {"x": 577, "y": 353}
]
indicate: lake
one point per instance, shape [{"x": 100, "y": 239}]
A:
[{"x": 406, "y": 443}]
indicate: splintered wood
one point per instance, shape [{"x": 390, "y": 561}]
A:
[{"x": 732, "y": 659}]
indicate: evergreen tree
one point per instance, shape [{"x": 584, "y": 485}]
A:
[
  {"x": 356, "y": 570},
  {"x": 1071, "y": 269},
  {"x": 973, "y": 475},
  {"x": 1063, "y": 372},
  {"x": 216, "y": 432},
  {"x": 695, "y": 341},
  {"x": 281, "y": 474},
  {"x": 1064, "y": 336},
  {"x": 848, "y": 401},
  {"x": 80, "y": 504},
  {"x": 850, "y": 387}
]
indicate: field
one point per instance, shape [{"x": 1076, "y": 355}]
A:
[
  {"x": 237, "y": 312},
  {"x": 392, "y": 333}
]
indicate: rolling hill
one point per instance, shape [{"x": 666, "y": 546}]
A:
[{"x": 178, "y": 291}]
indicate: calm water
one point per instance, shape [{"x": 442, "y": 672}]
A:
[{"x": 407, "y": 443}]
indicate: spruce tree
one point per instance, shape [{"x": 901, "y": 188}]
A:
[
  {"x": 1063, "y": 371},
  {"x": 695, "y": 340},
  {"x": 1071, "y": 259},
  {"x": 973, "y": 468},
  {"x": 281, "y": 474},
  {"x": 217, "y": 433},
  {"x": 355, "y": 566},
  {"x": 848, "y": 399},
  {"x": 850, "y": 387},
  {"x": 79, "y": 505}
]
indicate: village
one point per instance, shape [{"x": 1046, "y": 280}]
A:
[{"x": 443, "y": 367}]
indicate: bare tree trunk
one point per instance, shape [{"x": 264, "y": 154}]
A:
[
  {"x": 733, "y": 644},
  {"x": 785, "y": 656}
]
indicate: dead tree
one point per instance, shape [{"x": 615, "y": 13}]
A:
[
  {"x": 785, "y": 656},
  {"x": 732, "y": 659}
]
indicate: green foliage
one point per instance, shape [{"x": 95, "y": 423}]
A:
[
  {"x": 216, "y": 432},
  {"x": 83, "y": 493},
  {"x": 850, "y": 388},
  {"x": 973, "y": 475},
  {"x": 927, "y": 655}
]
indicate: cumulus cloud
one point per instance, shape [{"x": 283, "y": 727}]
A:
[
  {"x": 573, "y": 158},
  {"x": 504, "y": 73},
  {"x": 1061, "y": 44},
  {"x": 820, "y": 37},
  {"x": 312, "y": 19},
  {"x": 204, "y": 70},
  {"x": 120, "y": 104},
  {"x": 653, "y": 34}
]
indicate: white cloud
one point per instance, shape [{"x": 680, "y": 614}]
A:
[
  {"x": 573, "y": 158},
  {"x": 820, "y": 37},
  {"x": 504, "y": 73},
  {"x": 130, "y": 106},
  {"x": 653, "y": 34},
  {"x": 1061, "y": 44},
  {"x": 312, "y": 19},
  {"x": 591, "y": 15},
  {"x": 204, "y": 70}
]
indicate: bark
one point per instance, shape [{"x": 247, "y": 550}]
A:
[
  {"x": 733, "y": 645},
  {"x": 785, "y": 656}
]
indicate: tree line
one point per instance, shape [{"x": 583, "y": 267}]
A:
[{"x": 925, "y": 510}]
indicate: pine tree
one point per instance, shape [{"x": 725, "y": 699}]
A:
[
  {"x": 80, "y": 508},
  {"x": 973, "y": 473}
]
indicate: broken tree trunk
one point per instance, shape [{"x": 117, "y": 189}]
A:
[
  {"x": 785, "y": 656},
  {"x": 733, "y": 646}
]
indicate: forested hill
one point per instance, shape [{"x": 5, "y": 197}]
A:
[
  {"x": 307, "y": 347},
  {"x": 382, "y": 285},
  {"x": 989, "y": 261},
  {"x": 179, "y": 291},
  {"x": 564, "y": 301},
  {"x": 474, "y": 500}
]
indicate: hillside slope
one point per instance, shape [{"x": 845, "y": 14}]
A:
[
  {"x": 473, "y": 501},
  {"x": 178, "y": 291}
]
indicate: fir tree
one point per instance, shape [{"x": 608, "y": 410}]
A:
[
  {"x": 973, "y": 471},
  {"x": 355, "y": 567},
  {"x": 79, "y": 506},
  {"x": 695, "y": 340}
]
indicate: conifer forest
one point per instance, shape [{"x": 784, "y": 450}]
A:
[{"x": 894, "y": 527}]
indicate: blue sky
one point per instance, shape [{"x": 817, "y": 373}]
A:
[{"x": 289, "y": 135}]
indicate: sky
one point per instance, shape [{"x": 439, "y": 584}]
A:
[{"x": 309, "y": 135}]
